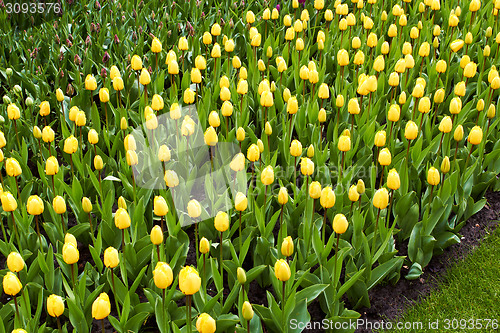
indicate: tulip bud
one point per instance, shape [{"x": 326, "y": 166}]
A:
[
  {"x": 327, "y": 198},
  {"x": 445, "y": 165},
  {"x": 411, "y": 130},
  {"x": 445, "y": 125},
  {"x": 381, "y": 198},
  {"x": 55, "y": 305},
  {"x": 267, "y": 175},
  {"x": 384, "y": 157},
  {"x": 240, "y": 134},
  {"x": 433, "y": 176},
  {"x": 241, "y": 275},
  {"x": 221, "y": 221},
  {"x": 287, "y": 247},
  {"x": 282, "y": 270},
  {"x": 34, "y": 205},
  {"x": 70, "y": 253},
  {"x": 306, "y": 166},
  {"x": 194, "y": 209},
  {"x": 393, "y": 181},
  {"x": 340, "y": 224},
  {"x": 111, "y": 257},
  {"x": 101, "y": 307},
  {"x": 247, "y": 311},
  {"x": 283, "y": 196},
  {"x": 380, "y": 138},
  {"x": 240, "y": 202},
  {"x": 15, "y": 262},
  {"x": 205, "y": 323},
  {"x": 122, "y": 219},
  {"x": 204, "y": 245},
  {"x": 189, "y": 280},
  {"x": 476, "y": 135},
  {"x": 11, "y": 284}
]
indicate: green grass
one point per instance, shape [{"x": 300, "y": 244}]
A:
[{"x": 469, "y": 290}]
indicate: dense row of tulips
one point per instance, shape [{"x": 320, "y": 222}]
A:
[{"x": 120, "y": 206}]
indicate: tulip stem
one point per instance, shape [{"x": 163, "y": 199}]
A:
[
  {"x": 17, "y": 309},
  {"x": 220, "y": 264},
  {"x": 73, "y": 275},
  {"x": 114, "y": 291},
  {"x": 102, "y": 325},
  {"x": 17, "y": 135},
  {"x": 341, "y": 167},
  {"x": 38, "y": 230},
  {"x": 15, "y": 229},
  {"x": 295, "y": 171},
  {"x": 381, "y": 177},
  {"x": 63, "y": 224},
  {"x": 3, "y": 231},
  {"x": 53, "y": 187},
  {"x": 283, "y": 298},
  {"x": 248, "y": 326},
  {"x": 59, "y": 325},
  {"x": 196, "y": 242},
  {"x": 323, "y": 227},
  {"x": 123, "y": 241},
  {"x": 430, "y": 196},
  {"x": 188, "y": 313},
  {"x": 158, "y": 251},
  {"x": 91, "y": 227},
  {"x": 390, "y": 206},
  {"x": 18, "y": 192},
  {"x": 407, "y": 150},
  {"x": 312, "y": 223},
  {"x": 240, "y": 233},
  {"x": 468, "y": 156},
  {"x": 335, "y": 281},
  {"x": 375, "y": 234},
  {"x": 265, "y": 198},
  {"x": 440, "y": 143}
]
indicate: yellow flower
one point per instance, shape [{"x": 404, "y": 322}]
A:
[
  {"x": 240, "y": 202},
  {"x": 475, "y": 135},
  {"x": 90, "y": 82},
  {"x": 282, "y": 270},
  {"x": 156, "y": 45},
  {"x": 194, "y": 209},
  {"x": 267, "y": 175},
  {"x": 11, "y": 284},
  {"x": 13, "y": 111},
  {"x": 384, "y": 157},
  {"x": 380, "y": 138},
  {"x": 15, "y": 262},
  {"x": 118, "y": 83},
  {"x": 340, "y": 224},
  {"x": 445, "y": 125},
  {"x": 353, "y": 193},
  {"x": 136, "y": 62},
  {"x": 70, "y": 145},
  {"x": 287, "y": 246},
  {"x": 55, "y": 305},
  {"x": 381, "y": 198},
  {"x": 59, "y": 95},
  {"x": 353, "y": 106},
  {"x": 238, "y": 162},
  {"x": 171, "y": 178},
  {"x": 240, "y": 134},
  {"x": 205, "y": 323},
  {"x": 131, "y": 157},
  {"x": 210, "y": 137},
  {"x": 433, "y": 176},
  {"x": 247, "y": 311},
  {"x": 221, "y": 221},
  {"x": 344, "y": 143},
  {"x": 34, "y": 205},
  {"x": 59, "y": 205},
  {"x": 455, "y": 105},
  {"x": 12, "y": 167},
  {"x": 122, "y": 219},
  {"x": 9, "y": 203},
  {"x": 70, "y": 253},
  {"x": 189, "y": 280},
  {"x": 306, "y": 166},
  {"x": 411, "y": 130},
  {"x": 111, "y": 257},
  {"x": 393, "y": 181},
  {"x": 163, "y": 275},
  {"x": 160, "y": 206},
  {"x": 204, "y": 245},
  {"x": 101, "y": 307},
  {"x": 327, "y": 199},
  {"x": 183, "y": 44},
  {"x": 445, "y": 165},
  {"x": 44, "y": 108},
  {"x": 253, "y": 153}
]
